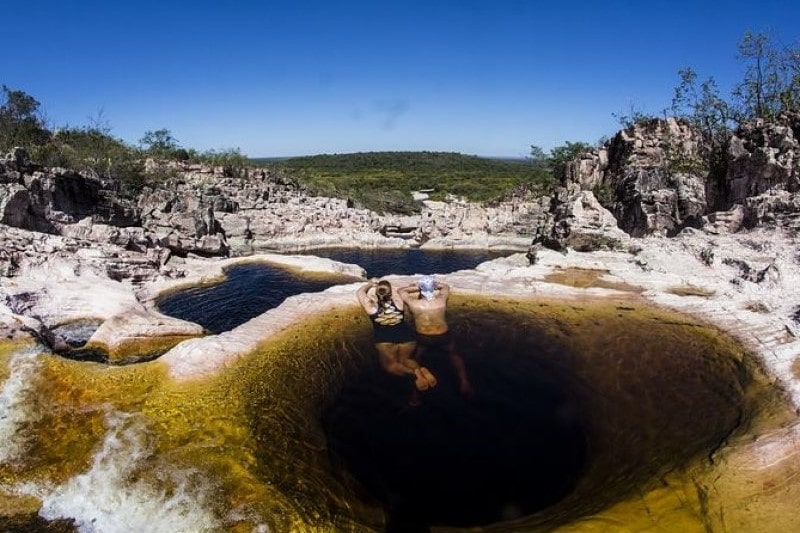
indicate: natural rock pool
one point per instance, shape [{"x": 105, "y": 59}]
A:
[
  {"x": 575, "y": 407},
  {"x": 247, "y": 291},
  {"x": 578, "y": 406},
  {"x": 586, "y": 412}
]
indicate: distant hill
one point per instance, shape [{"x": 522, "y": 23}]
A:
[{"x": 383, "y": 180}]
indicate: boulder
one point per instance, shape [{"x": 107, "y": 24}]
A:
[
  {"x": 578, "y": 222},
  {"x": 761, "y": 157},
  {"x": 137, "y": 334},
  {"x": 651, "y": 176}
]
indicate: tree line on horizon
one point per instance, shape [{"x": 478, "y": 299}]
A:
[{"x": 383, "y": 180}]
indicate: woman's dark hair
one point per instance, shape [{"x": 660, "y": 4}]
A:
[{"x": 383, "y": 291}]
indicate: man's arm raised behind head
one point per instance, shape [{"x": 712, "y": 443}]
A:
[
  {"x": 444, "y": 288},
  {"x": 405, "y": 292}
]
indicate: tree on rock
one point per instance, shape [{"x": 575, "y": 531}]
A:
[
  {"x": 159, "y": 143},
  {"x": 771, "y": 81},
  {"x": 21, "y": 122}
]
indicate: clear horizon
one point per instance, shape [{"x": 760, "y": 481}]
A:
[{"x": 281, "y": 79}]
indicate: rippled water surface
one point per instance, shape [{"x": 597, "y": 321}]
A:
[{"x": 576, "y": 406}]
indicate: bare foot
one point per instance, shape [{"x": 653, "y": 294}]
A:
[
  {"x": 429, "y": 377},
  {"x": 421, "y": 381},
  {"x": 466, "y": 389}
]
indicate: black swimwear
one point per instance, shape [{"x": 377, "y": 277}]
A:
[
  {"x": 442, "y": 340},
  {"x": 388, "y": 325}
]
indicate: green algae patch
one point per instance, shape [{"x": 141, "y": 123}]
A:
[
  {"x": 7, "y": 350},
  {"x": 254, "y": 429},
  {"x": 65, "y": 412},
  {"x": 585, "y": 278}
]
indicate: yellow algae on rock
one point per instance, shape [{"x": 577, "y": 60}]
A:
[{"x": 657, "y": 392}]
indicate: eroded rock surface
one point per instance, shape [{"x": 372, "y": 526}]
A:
[
  {"x": 741, "y": 273},
  {"x": 651, "y": 175},
  {"x": 763, "y": 157}
]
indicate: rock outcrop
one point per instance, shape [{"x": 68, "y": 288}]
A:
[
  {"x": 206, "y": 211},
  {"x": 763, "y": 171},
  {"x": 649, "y": 179},
  {"x": 655, "y": 177},
  {"x": 48, "y": 201},
  {"x": 577, "y": 221},
  {"x": 763, "y": 156},
  {"x": 651, "y": 175}
]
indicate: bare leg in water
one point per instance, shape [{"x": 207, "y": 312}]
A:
[
  {"x": 457, "y": 362},
  {"x": 397, "y": 359}
]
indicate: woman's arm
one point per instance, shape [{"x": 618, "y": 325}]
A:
[{"x": 369, "y": 305}]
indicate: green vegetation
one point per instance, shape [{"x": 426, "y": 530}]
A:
[
  {"x": 770, "y": 85},
  {"x": 161, "y": 143},
  {"x": 555, "y": 162},
  {"x": 383, "y": 180},
  {"x": 94, "y": 151},
  {"x": 21, "y": 122}
]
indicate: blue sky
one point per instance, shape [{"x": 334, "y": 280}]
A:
[{"x": 301, "y": 77}]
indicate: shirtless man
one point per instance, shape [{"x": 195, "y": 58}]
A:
[
  {"x": 394, "y": 340},
  {"x": 427, "y": 302}
]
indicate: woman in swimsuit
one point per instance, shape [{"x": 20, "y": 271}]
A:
[{"x": 395, "y": 341}]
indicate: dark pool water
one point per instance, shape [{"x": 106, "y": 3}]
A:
[
  {"x": 508, "y": 450},
  {"x": 247, "y": 291},
  {"x": 252, "y": 289},
  {"x": 574, "y": 407},
  {"x": 410, "y": 261}
]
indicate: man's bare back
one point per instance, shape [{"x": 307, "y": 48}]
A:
[
  {"x": 427, "y": 302},
  {"x": 427, "y": 307}
]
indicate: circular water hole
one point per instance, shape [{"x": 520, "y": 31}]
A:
[{"x": 575, "y": 405}]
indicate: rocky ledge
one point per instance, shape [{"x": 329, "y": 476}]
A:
[
  {"x": 628, "y": 222},
  {"x": 747, "y": 284}
]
